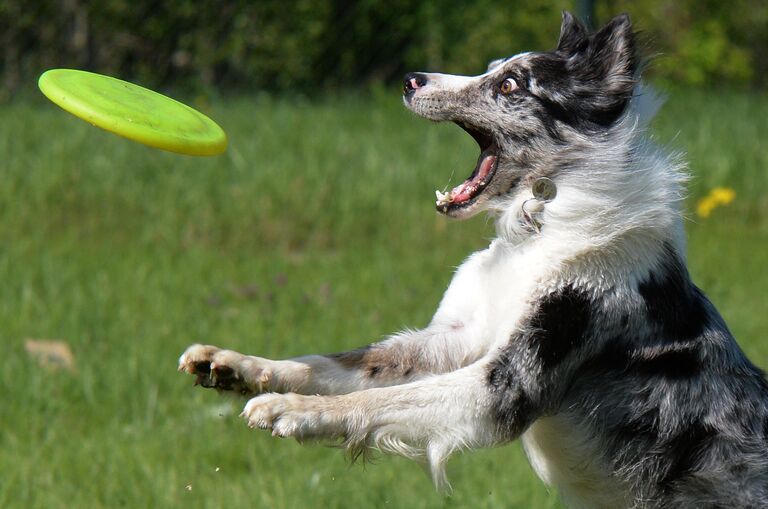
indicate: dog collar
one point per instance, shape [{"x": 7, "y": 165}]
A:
[{"x": 544, "y": 191}]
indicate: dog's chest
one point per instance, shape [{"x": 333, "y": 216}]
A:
[
  {"x": 566, "y": 456},
  {"x": 494, "y": 289}
]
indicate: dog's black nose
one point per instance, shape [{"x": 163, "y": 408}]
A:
[{"x": 413, "y": 81}]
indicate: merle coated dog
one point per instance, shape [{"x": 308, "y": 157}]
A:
[{"x": 578, "y": 329}]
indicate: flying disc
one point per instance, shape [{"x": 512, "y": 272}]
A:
[{"x": 133, "y": 112}]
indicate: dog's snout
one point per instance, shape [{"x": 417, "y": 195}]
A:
[{"x": 412, "y": 82}]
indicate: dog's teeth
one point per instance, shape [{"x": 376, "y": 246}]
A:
[{"x": 442, "y": 198}]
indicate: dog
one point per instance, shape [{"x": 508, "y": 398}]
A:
[{"x": 577, "y": 330}]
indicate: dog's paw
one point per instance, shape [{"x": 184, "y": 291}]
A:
[
  {"x": 226, "y": 370},
  {"x": 291, "y": 415}
]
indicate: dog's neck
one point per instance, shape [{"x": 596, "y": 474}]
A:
[{"x": 602, "y": 216}]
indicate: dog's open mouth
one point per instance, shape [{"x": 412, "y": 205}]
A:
[{"x": 467, "y": 192}]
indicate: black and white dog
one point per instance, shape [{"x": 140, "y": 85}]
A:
[{"x": 577, "y": 329}]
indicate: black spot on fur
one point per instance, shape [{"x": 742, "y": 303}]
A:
[
  {"x": 630, "y": 357},
  {"x": 686, "y": 451},
  {"x": 765, "y": 430},
  {"x": 514, "y": 414},
  {"x": 671, "y": 365},
  {"x": 514, "y": 409},
  {"x": 673, "y": 303},
  {"x": 641, "y": 428},
  {"x": 613, "y": 357},
  {"x": 551, "y": 113},
  {"x": 560, "y": 325},
  {"x": 550, "y": 70},
  {"x": 624, "y": 321},
  {"x": 502, "y": 375}
]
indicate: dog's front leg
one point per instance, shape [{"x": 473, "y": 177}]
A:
[
  {"x": 399, "y": 359},
  {"x": 231, "y": 371},
  {"x": 429, "y": 418}
]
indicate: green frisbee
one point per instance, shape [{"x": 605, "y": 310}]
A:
[{"x": 133, "y": 112}]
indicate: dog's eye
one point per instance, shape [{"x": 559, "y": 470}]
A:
[{"x": 508, "y": 86}]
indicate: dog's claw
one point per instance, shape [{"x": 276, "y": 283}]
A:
[{"x": 226, "y": 370}]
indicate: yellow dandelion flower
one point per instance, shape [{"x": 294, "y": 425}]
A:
[
  {"x": 723, "y": 195},
  {"x": 704, "y": 207},
  {"x": 717, "y": 197}
]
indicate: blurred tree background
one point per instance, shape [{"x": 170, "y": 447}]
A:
[{"x": 324, "y": 45}]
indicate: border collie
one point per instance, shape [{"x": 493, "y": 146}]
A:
[{"x": 577, "y": 330}]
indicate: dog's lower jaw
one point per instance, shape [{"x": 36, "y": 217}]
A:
[{"x": 464, "y": 211}]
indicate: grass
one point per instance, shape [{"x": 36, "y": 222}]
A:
[{"x": 276, "y": 248}]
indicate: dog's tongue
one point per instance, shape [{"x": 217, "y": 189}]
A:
[{"x": 466, "y": 190}]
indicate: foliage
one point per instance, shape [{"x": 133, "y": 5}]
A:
[
  {"x": 705, "y": 43},
  {"x": 320, "y": 45}
]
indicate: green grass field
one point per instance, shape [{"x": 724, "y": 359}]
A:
[{"x": 314, "y": 233}]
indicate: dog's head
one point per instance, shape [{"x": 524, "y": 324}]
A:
[{"x": 525, "y": 110}]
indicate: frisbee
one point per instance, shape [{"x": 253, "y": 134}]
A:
[{"x": 133, "y": 112}]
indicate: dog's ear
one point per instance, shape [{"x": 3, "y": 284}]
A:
[
  {"x": 606, "y": 70},
  {"x": 573, "y": 35},
  {"x": 613, "y": 49}
]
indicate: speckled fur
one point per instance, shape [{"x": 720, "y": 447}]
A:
[{"x": 584, "y": 336}]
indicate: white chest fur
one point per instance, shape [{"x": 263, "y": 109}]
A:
[
  {"x": 493, "y": 290},
  {"x": 565, "y": 456}
]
